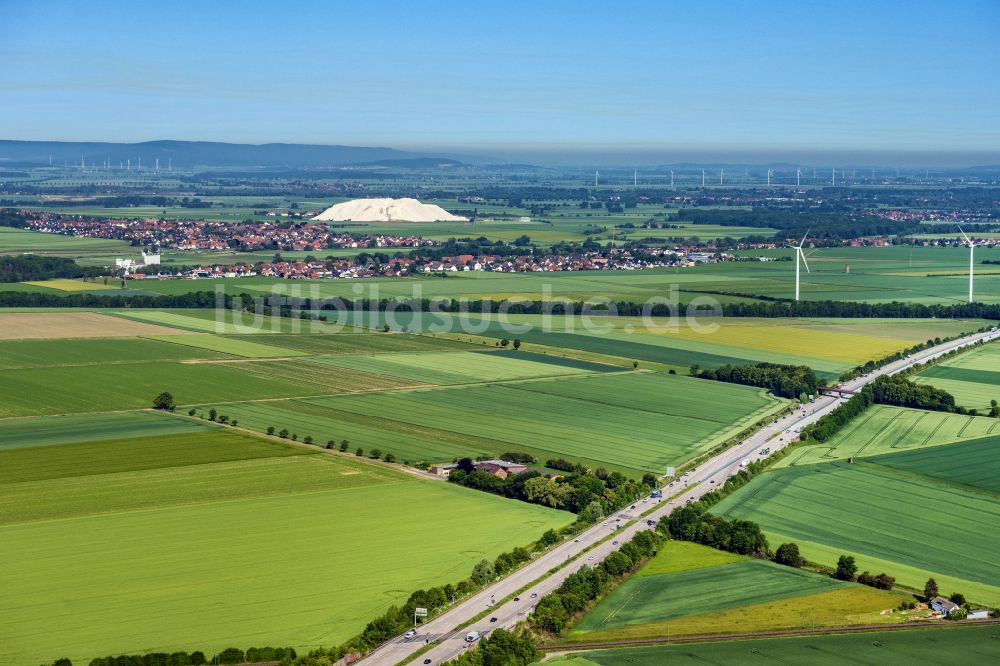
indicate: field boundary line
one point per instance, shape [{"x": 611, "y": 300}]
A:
[{"x": 776, "y": 633}]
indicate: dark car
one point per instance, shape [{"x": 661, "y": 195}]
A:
[
  {"x": 517, "y": 598},
  {"x": 493, "y": 619},
  {"x": 427, "y": 661}
]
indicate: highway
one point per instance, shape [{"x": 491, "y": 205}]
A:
[{"x": 699, "y": 480}]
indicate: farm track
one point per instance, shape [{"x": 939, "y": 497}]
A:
[{"x": 701, "y": 638}]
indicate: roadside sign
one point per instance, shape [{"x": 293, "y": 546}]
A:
[
  {"x": 670, "y": 471},
  {"x": 420, "y": 612}
]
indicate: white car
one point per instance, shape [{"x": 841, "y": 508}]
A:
[{"x": 410, "y": 634}]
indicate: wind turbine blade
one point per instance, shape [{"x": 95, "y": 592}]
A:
[
  {"x": 804, "y": 262},
  {"x": 804, "y": 237},
  {"x": 964, "y": 236}
]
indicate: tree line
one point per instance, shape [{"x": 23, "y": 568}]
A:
[
  {"x": 35, "y": 267},
  {"x": 589, "y": 494},
  {"x": 787, "y": 381}
]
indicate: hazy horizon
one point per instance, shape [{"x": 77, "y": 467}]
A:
[{"x": 893, "y": 83}]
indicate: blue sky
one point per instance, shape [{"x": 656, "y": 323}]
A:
[{"x": 776, "y": 79}]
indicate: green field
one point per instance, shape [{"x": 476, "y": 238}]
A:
[
  {"x": 49, "y": 431},
  {"x": 24, "y": 354},
  {"x": 926, "y": 525},
  {"x": 635, "y": 422},
  {"x": 876, "y": 275},
  {"x": 688, "y": 589},
  {"x": 362, "y": 343},
  {"x": 877, "y": 648},
  {"x": 233, "y": 346},
  {"x": 453, "y": 368},
  {"x": 19, "y": 241},
  {"x": 203, "y": 540},
  {"x": 829, "y": 346},
  {"x": 105, "y": 387},
  {"x": 973, "y": 377},
  {"x": 884, "y": 429},
  {"x": 643, "y": 600}
]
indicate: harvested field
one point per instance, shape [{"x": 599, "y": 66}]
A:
[{"x": 19, "y": 326}]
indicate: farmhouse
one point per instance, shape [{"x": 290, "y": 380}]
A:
[
  {"x": 498, "y": 468},
  {"x": 943, "y": 606},
  {"x": 501, "y": 468}
]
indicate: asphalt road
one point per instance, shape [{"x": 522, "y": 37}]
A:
[{"x": 700, "y": 480}]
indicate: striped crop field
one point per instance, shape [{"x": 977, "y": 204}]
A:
[
  {"x": 874, "y": 648},
  {"x": 635, "y": 421},
  {"x": 973, "y": 377},
  {"x": 884, "y": 429},
  {"x": 926, "y": 526},
  {"x": 974, "y": 464},
  {"x": 451, "y": 367},
  {"x": 235, "y": 347},
  {"x": 688, "y": 589},
  {"x": 52, "y": 431},
  {"x": 363, "y": 343}
]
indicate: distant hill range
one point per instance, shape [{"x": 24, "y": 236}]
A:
[{"x": 186, "y": 154}]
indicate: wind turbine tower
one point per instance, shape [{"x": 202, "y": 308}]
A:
[
  {"x": 798, "y": 177},
  {"x": 769, "y": 178},
  {"x": 972, "y": 248},
  {"x": 800, "y": 256},
  {"x": 835, "y": 178},
  {"x": 635, "y": 178},
  {"x": 671, "y": 178},
  {"x": 595, "y": 177},
  {"x": 721, "y": 171},
  {"x": 703, "y": 178}
]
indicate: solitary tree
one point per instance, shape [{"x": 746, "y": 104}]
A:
[
  {"x": 270, "y": 430},
  {"x": 283, "y": 433},
  {"x": 504, "y": 342},
  {"x": 212, "y": 414},
  {"x": 343, "y": 446},
  {"x": 164, "y": 401},
  {"x": 788, "y": 554},
  {"x": 957, "y": 598},
  {"x": 930, "y": 589},
  {"x": 994, "y": 409},
  {"x": 846, "y": 568},
  {"x": 191, "y": 412},
  {"x": 308, "y": 439},
  {"x": 389, "y": 458},
  {"x": 517, "y": 343},
  {"x": 635, "y": 364},
  {"x": 375, "y": 454},
  {"x": 359, "y": 452},
  {"x": 330, "y": 444}
]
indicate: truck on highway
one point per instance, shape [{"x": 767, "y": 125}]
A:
[{"x": 472, "y": 637}]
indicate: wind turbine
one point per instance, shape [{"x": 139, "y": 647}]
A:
[
  {"x": 972, "y": 248},
  {"x": 800, "y": 256}
]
